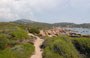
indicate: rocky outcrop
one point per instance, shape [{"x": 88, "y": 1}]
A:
[
  {"x": 61, "y": 31},
  {"x": 53, "y": 32}
]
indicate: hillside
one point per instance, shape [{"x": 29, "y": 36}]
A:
[
  {"x": 62, "y": 24},
  {"x": 25, "y": 21},
  {"x": 22, "y": 40},
  {"x": 14, "y": 41},
  {"x": 72, "y": 25},
  {"x": 66, "y": 47}
]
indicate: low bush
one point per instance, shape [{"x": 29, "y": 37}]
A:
[
  {"x": 3, "y": 41},
  {"x": 20, "y": 51},
  {"x": 12, "y": 43},
  {"x": 50, "y": 54},
  {"x": 61, "y": 46},
  {"x": 48, "y": 42},
  {"x": 34, "y": 30},
  {"x": 82, "y": 45},
  {"x": 19, "y": 33}
]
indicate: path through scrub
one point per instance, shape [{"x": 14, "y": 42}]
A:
[{"x": 38, "y": 51}]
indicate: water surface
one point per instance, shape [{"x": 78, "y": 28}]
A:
[{"x": 83, "y": 31}]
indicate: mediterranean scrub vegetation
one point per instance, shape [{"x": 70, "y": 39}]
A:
[
  {"x": 34, "y": 30},
  {"x": 83, "y": 46},
  {"x": 14, "y": 41},
  {"x": 66, "y": 47}
]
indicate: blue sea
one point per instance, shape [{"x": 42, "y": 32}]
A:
[{"x": 83, "y": 31}]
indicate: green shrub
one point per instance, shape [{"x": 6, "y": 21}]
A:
[
  {"x": 82, "y": 45},
  {"x": 19, "y": 33},
  {"x": 1, "y": 31},
  {"x": 13, "y": 42},
  {"x": 48, "y": 42},
  {"x": 11, "y": 37},
  {"x": 3, "y": 41},
  {"x": 65, "y": 49},
  {"x": 50, "y": 54},
  {"x": 34, "y": 30},
  {"x": 61, "y": 46},
  {"x": 20, "y": 51}
]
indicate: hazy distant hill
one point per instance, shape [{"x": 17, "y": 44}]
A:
[
  {"x": 85, "y": 25},
  {"x": 25, "y": 21},
  {"x": 63, "y": 24}
]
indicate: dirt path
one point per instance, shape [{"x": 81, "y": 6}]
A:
[{"x": 38, "y": 52}]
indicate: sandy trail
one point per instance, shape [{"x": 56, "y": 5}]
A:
[{"x": 38, "y": 52}]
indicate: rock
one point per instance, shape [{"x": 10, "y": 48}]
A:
[{"x": 60, "y": 31}]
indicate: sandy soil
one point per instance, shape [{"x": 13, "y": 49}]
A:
[{"x": 38, "y": 52}]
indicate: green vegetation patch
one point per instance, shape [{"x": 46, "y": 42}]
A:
[
  {"x": 3, "y": 41},
  {"x": 61, "y": 46},
  {"x": 19, "y": 33},
  {"x": 48, "y": 53},
  {"x": 14, "y": 41},
  {"x": 34, "y": 30},
  {"x": 19, "y": 51},
  {"x": 82, "y": 45}
]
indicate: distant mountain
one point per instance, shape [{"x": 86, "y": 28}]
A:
[
  {"x": 72, "y": 25},
  {"x": 63, "y": 24},
  {"x": 25, "y": 21}
]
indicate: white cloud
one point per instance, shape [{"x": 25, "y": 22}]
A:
[
  {"x": 6, "y": 10},
  {"x": 15, "y": 9}
]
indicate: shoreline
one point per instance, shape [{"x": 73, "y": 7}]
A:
[{"x": 62, "y": 31}]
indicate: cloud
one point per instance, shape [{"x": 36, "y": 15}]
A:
[
  {"x": 6, "y": 10},
  {"x": 39, "y": 9},
  {"x": 14, "y": 9}
]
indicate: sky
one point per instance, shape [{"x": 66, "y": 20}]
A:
[{"x": 50, "y": 11}]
